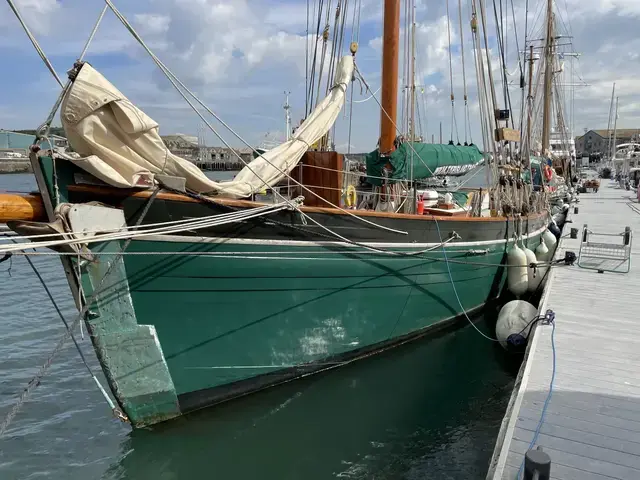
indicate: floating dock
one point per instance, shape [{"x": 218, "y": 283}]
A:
[{"x": 590, "y": 426}]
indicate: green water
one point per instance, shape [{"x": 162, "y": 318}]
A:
[{"x": 431, "y": 409}]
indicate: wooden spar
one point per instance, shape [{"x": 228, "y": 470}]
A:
[
  {"x": 530, "y": 100},
  {"x": 390, "y": 57},
  {"x": 548, "y": 80},
  {"x": 21, "y": 207}
]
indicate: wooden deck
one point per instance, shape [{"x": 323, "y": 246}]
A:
[{"x": 591, "y": 427}]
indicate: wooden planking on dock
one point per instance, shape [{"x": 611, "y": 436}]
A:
[{"x": 591, "y": 428}]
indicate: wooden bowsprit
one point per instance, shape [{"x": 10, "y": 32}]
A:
[{"x": 605, "y": 257}]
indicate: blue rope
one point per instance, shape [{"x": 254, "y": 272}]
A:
[
  {"x": 549, "y": 319},
  {"x": 455, "y": 290}
]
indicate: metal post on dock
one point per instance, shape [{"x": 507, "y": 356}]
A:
[{"x": 537, "y": 465}]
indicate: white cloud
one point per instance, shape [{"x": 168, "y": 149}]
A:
[
  {"x": 152, "y": 23},
  {"x": 218, "y": 42},
  {"x": 240, "y": 55},
  {"x": 37, "y": 14}
]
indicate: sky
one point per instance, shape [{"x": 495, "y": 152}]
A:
[{"x": 240, "y": 56}]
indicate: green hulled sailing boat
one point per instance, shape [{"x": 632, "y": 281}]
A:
[{"x": 195, "y": 293}]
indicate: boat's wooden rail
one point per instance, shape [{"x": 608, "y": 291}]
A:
[{"x": 14, "y": 206}]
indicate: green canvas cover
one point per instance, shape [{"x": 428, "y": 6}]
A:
[
  {"x": 535, "y": 164},
  {"x": 428, "y": 160}
]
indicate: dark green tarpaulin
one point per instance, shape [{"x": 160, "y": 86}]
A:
[
  {"x": 428, "y": 159},
  {"x": 535, "y": 165},
  {"x": 460, "y": 197}
]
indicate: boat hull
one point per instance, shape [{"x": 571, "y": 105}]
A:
[
  {"x": 180, "y": 322},
  {"x": 232, "y": 317}
]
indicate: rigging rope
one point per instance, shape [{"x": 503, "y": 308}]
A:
[
  {"x": 491, "y": 85},
  {"x": 355, "y": 32},
  {"x": 455, "y": 290},
  {"x": 355, "y": 38},
  {"x": 190, "y": 224},
  {"x": 325, "y": 40},
  {"x": 481, "y": 81},
  {"x": 464, "y": 79},
  {"x": 350, "y": 117},
  {"x": 524, "y": 107},
  {"x": 315, "y": 55},
  {"x": 341, "y": 17},
  {"x": 503, "y": 61},
  {"x": 453, "y": 113},
  {"x": 43, "y": 130},
  {"x": 454, "y": 123},
  {"x": 369, "y": 97},
  {"x": 515, "y": 29},
  {"x": 306, "y": 64},
  {"x": 334, "y": 45},
  {"x": 420, "y": 119}
]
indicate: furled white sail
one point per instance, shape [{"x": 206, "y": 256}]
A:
[{"x": 119, "y": 144}]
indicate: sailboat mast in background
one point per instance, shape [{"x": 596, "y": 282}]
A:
[
  {"x": 287, "y": 117},
  {"x": 614, "y": 139},
  {"x": 610, "y": 150},
  {"x": 548, "y": 81},
  {"x": 530, "y": 101}
]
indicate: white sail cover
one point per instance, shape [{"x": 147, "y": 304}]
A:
[{"x": 119, "y": 144}]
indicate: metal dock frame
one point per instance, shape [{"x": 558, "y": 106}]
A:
[{"x": 605, "y": 257}]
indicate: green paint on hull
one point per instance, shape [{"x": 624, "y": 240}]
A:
[
  {"x": 129, "y": 351},
  {"x": 248, "y": 310}
]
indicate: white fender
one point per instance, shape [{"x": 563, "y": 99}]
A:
[
  {"x": 517, "y": 276},
  {"x": 543, "y": 255},
  {"x": 549, "y": 240},
  {"x": 531, "y": 258},
  {"x": 514, "y": 318}
]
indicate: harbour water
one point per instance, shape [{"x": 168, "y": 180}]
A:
[{"x": 431, "y": 409}]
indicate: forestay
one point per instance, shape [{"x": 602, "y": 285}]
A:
[{"x": 119, "y": 144}]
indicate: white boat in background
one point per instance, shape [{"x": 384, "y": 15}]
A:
[
  {"x": 627, "y": 156},
  {"x": 562, "y": 144}
]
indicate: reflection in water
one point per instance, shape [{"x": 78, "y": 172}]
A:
[{"x": 431, "y": 408}]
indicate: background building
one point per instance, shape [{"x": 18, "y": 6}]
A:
[
  {"x": 185, "y": 146},
  {"x": 207, "y": 158},
  {"x": 596, "y": 142},
  {"x": 14, "y": 148},
  {"x": 23, "y": 140}
]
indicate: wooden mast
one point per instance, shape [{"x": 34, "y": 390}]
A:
[
  {"x": 390, "y": 57},
  {"x": 548, "y": 80},
  {"x": 530, "y": 100},
  {"x": 412, "y": 130},
  {"x": 614, "y": 139}
]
